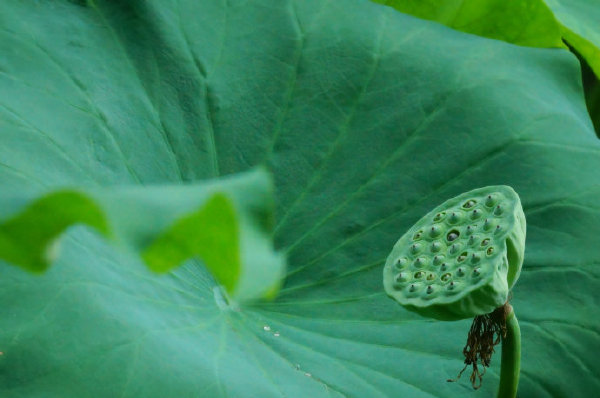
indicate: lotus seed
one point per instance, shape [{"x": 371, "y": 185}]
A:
[
  {"x": 454, "y": 248},
  {"x": 446, "y": 276},
  {"x": 436, "y": 247},
  {"x": 475, "y": 214},
  {"x": 419, "y": 262},
  {"x": 435, "y": 231},
  {"x": 489, "y": 201},
  {"x": 470, "y": 229},
  {"x": 454, "y": 218},
  {"x": 472, "y": 240},
  {"x": 439, "y": 217},
  {"x": 430, "y": 277},
  {"x": 443, "y": 266},
  {"x": 462, "y": 257},
  {"x": 417, "y": 236},
  {"x": 429, "y": 289},
  {"x": 485, "y": 242},
  {"x": 451, "y": 285},
  {"x": 401, "y": 263},
  {"x": 476, "y": 271},
  {"x": 419, "y": 274},
  {"x": 401, "y": 277},
  {"x": 475, "y": 258},
  {"x": 412, "y": 287},
  {"x": 490, "y": 250},
  {"x": 487, "y": 225},
  {"x": 438, "y": 259},
  {"x": 498, "y": 228},
  {"x": 498, "y": 210},
  {"x": 460, "y": 271},
  {"x": 415, "y": 248},
  {"x": 452, "y": 235}
]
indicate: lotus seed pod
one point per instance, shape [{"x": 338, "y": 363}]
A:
[{"x": 468, "y": 256}]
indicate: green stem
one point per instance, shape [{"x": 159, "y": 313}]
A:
[{"x": 511, "y": 357}]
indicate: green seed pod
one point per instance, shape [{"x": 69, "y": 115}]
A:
[{"x": 477, "y": 270}]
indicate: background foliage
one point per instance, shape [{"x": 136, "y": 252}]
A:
[{"x": 367, "y": 118}]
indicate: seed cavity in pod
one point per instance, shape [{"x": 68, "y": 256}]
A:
[
  {"x": 475, "y": 214},
  {"x": 487, "y": 225},
  {"x": 446, "y": 276},
  {"x": 454, "y": 248},
  {"x": 452, "y": 235},
  {"x": 419, "y": 274},
  {"x": 469, "y": 203},
  {"x": 415, "y": 248},
  {"x": 498, "y": 211},
  {"x": 401, "y": 262},
  {"x": 435, "y": 231},
  {"x": 462, "y": 257},
  {"x": 490, "y": 201},
  {"x": 475, "y": 258},
  {"x": 454, "y": 218},
  {"x": 490, "y": 251},
  {"x": 436, "y": 247},
  {"x": 418, "y": 235},
  {"x": 437, "y": 260},
  {"x": 485, "y": 242},
  {"x": 429, "y": 289},
  {"x": 420, "y": 262},
  {"x": 439, "y": 217},
  {"x": 430, "y": 276}
]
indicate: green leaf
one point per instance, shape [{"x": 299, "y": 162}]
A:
[
  {"x": 527, "y": 23},
  {"x": 580, "y": 20},
  {"x": 368, "y": 119},
  {"x": 534, "y": 23},
  {"x": 226, "y": 223}
]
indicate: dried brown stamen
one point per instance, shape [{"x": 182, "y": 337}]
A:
[{"x": 485, "y": 333}]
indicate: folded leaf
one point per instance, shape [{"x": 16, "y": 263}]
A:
[{"x": 225, "y": 222}]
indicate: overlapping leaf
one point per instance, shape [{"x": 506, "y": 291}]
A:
[
  {"x": 368, "y": 119},
  {"x": 536, "y": 23},
  {"x": 527, "y": 23}
]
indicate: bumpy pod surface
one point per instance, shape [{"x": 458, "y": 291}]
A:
[{"x": 462, "y": 258}]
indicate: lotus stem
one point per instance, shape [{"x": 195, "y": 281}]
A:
[{"x": 511, "y": 357}]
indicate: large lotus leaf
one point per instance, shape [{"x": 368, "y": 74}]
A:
[{"x": 368, "y": 119}]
